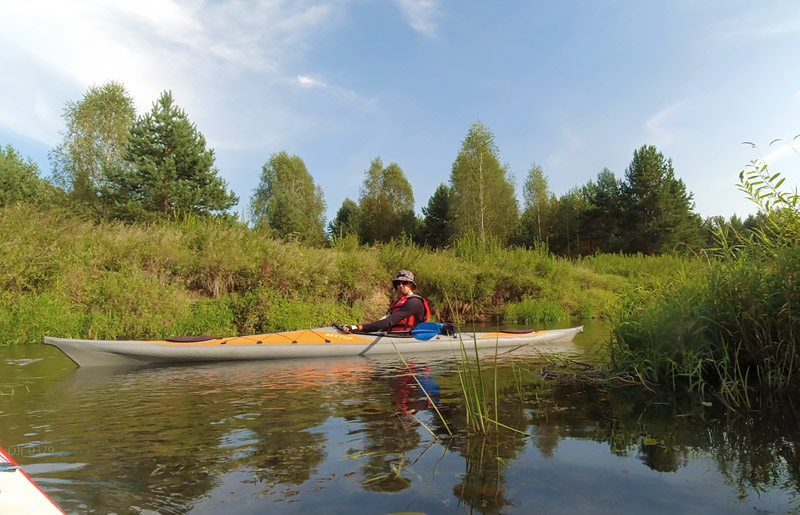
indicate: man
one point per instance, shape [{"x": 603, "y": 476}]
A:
[{"x": 403, "y": 314}]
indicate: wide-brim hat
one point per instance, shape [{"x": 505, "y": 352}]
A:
[{"x": 404, "y": 275}]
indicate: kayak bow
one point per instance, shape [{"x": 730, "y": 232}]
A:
[{"x": 19, "y": 494}]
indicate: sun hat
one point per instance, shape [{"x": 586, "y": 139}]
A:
[{"x": 404, "y": 275}]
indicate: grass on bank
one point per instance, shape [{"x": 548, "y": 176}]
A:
[
  {"x": 734, "y": 330},
  {"x": 63, "y": 276}
]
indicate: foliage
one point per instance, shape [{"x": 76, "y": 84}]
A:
[
  {"x": 65, "y": 276},
  {"x": 287, "y": 200},
  {"x": 737, "y": 327},
  {"x": 345, "y": 223},
  {"x": 386, "y": 204},
  {"x": 568, "y": 231},
  {"x": 530, "y": 311},
  {"x": 483, "y": 200},
  {"x": 538, "y": 208},
  {"x": 94, "y": 144},
  {"x": 436, "y": 230},
  {"x": 658, "y": 213},
  {"x": 169, "y": 171},
  {"x": 602, "y": 220},
  {"x": 20, "y": 182}
]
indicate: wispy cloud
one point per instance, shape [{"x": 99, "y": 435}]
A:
[
  {"x": 422, "y": 15},
  {"x": 764, "y": 21},
  {"x": 660, "y": 125},
  {"x": 310, "y": 82},
  {"x": 53, "y": 50}
]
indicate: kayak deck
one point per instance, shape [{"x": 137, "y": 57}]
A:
[
  {"x": 19, "y": 494},
  {"x": 310, "y": 343}
]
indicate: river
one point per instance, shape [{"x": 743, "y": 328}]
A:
[{"x": 358, "y": 436}]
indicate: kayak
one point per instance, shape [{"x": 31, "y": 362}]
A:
[
  {"x": 19, "y": 494},
  {"x": 309, "y": 343}
]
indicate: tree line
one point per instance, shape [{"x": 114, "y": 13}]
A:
[{"x": 113, "y": 165}]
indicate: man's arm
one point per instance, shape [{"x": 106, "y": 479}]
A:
[{"x": 413, "y": 306}]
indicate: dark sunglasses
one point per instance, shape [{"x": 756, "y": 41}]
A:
[{"x": 401, "y": 282}]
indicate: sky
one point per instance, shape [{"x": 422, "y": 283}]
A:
[{"x": 571, "y": 86}]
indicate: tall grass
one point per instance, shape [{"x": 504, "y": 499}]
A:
[
  {"x": 64, "y": 276},
  {"x": 733, "y": 330}
]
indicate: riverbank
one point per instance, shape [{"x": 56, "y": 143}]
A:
[{"x": 67, "y": 277}]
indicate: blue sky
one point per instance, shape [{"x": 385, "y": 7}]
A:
[{"x": 573, "y": 86}]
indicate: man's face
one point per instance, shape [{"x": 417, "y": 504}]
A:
[{"x": 403, "y": 287}]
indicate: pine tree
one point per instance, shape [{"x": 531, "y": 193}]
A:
[
  {"x": 568, "y": 238},
  {"x": 436, "y": 229},
  {"x": 658, "y": 216},
  {"x": 483, "y": 200},
  {"x": 20, "y": 182},
  {"x": 288, "y": 201},
  {"x": 346, "y": 220},
  {"x": 170, "y": 172},
  {"x": 602, "y": 221}
]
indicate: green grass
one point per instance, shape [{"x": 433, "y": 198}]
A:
[
  {"x": 732, "y": 331},
  {"x": 729, "y": 332},
  {"x": 64, "y": 276}
]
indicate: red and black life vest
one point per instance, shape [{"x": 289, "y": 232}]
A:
[{"x": 407, "y": 324}]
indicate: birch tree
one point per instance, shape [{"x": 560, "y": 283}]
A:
[
  {"x": 386, "y": 204},
  {"x": 483, "y": 201},
  {"x": 288, "y": 201}
]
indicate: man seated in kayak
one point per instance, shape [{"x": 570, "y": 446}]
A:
[{"x": 403, "y": 314}]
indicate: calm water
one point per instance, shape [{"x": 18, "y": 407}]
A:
[{"x": 335, "y": 436}]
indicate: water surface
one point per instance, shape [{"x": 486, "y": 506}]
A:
[{"x": 342, "y": 435}]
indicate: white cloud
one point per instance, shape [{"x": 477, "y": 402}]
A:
[
  {"x": 309, "y": 82},
  {"x": 421, "y": 15},
  {"x": 53, "y": 50}
]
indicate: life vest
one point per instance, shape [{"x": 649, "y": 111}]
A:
[{"x": 407, "y": 324}]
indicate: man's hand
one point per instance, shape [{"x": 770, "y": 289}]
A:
[{"x": 349, "y": 328}]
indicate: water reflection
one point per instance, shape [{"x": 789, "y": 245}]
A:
[{"x": 338, "y": 435}]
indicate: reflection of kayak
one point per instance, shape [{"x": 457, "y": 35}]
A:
[
  {"x": 311, "y": 343},
  {"x": 18, "y": 493}
]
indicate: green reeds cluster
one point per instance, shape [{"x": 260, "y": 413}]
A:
[
  {"x": 481, "y": 394},
  {"x": 734, "y": 329}
]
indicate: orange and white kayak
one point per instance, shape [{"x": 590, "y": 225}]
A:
[
  {"x": 19, "y": 494},
  {"x": 309, "y": 343}
]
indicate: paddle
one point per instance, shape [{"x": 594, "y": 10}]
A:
[{"x": 426, "y": 330}]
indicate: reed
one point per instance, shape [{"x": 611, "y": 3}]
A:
[{"x": 733, "y": 329}]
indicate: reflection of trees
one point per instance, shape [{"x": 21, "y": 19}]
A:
[
  {"x": 754, "y": 453},
  {"x": 160, "y": 439},
  {"x": 759, "y": 452},
  {"x": 487, "y": 456},
  {"x": 286, "y": 452},
  {"x": 660, "y": 457}
]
